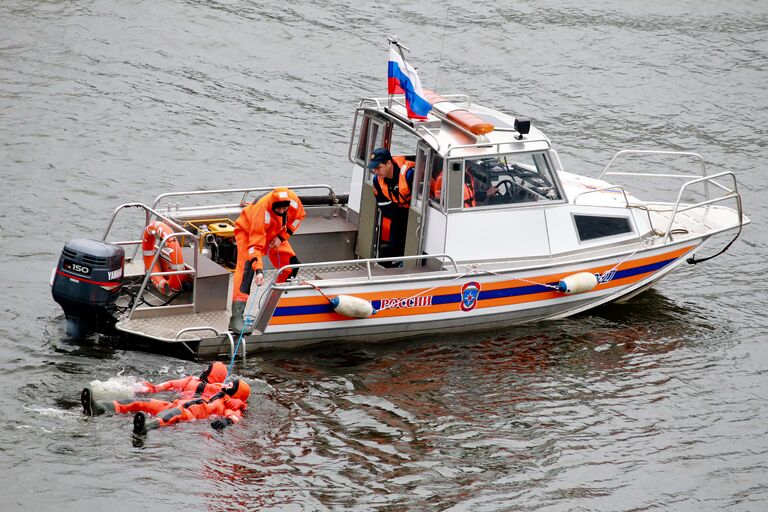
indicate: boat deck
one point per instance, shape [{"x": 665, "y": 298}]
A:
[{"x": 162, "y": 325}]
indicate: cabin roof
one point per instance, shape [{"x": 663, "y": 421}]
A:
[{"x": 450, "y": 139}]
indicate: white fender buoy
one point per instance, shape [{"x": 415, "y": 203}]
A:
[
  {"x": 353, "y": 307},
  {"x": 577, "y": 283}
]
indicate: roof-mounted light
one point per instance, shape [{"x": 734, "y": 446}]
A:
[{"x": 522, "y": 126}]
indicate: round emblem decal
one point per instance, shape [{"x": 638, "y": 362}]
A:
[{"x": 469, "y": 293}]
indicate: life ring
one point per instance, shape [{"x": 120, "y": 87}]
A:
[{"x": 171, "y": 258}]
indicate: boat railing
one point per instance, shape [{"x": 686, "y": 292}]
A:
[
  {"x": 619, "y": 154},
  {"x": 396, "y": 99},
  {"x": 627, "y": 204},
  {"x": 702, "y": 178},
  {"x": 243, "y": 191},
  {"x": 176, "y": 208},
  {"x": 730, "y": 193},
  {"x": 179, "y": 232},
  {"x": 368, "y": 262},
  {"x": 604, "y": 189}
]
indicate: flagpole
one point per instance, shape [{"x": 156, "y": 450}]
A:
[{"x": 393, "y": 41}]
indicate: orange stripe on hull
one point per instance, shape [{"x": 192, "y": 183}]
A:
[{"x": 455, "y": 289}]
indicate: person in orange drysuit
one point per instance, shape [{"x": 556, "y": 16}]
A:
[
  {"x": 208, "y": 384},
  {"x": 471, "y": 193},
  {"x": 392, "y": 188},
  {"x": 229, "y": 404},
  {"x": 263, "y": 229}
]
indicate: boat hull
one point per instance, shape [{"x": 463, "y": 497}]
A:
[{"x": 475, "y": 301}]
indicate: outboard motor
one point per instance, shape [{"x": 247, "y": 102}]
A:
[{"x": 86, "y": 282}]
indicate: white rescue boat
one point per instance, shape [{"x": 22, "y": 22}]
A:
[{"x": 548, "y": 244}]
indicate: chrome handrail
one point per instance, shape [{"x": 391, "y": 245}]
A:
[
  {"x": 498, "y": 145},
  {"x": 731, "y": 194},
  {"x": 244, "y": 191},
  {"x": 602, "y": 189},
  {"x": 623, "y": 152},
  {"x": 149, "y": 273},
  {"x": 366, "y": 261},
  {"x": 149, "y": 213},
  {"x": 192, "y": 329}
]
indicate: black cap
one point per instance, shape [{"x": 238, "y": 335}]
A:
[{"x": 378, "y": 157}]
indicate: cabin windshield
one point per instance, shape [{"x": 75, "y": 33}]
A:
[{"x": 508, "y": 179}]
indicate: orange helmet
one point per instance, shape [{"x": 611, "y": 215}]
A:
[
  {"x": 238, "y": 389},
  {"x": 215, "y": 373},
  {"x": 280, "y": 197}
]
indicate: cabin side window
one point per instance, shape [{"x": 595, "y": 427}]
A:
[
  {"x": 371, "y": 134},
  {"x": 436, "y": 182},
  {"x": 592, "y": 227},
  {"x": 400, "y": 142},
  {"x": 422, "y": 178},
  {"x": 508, "y": 179}
]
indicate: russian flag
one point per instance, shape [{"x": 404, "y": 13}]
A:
[{"x": 402, "y": 79}]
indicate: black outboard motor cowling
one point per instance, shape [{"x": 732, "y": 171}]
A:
[{"x": 86, "y": 282}]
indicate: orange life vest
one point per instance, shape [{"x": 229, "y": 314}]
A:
[
  {"x": 400, "y": 195},
  {"x": 469, "y": 189}
]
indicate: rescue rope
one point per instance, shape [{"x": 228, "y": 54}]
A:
[
  {"x": 242, "y": 331},
  {"x": 478, "y": 271},
  {"x": 475, "y": 269},
  {"x": 237, "y": 346},
  {"x": 318, "y": 290}
]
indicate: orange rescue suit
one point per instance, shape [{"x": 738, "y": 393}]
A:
[
  {"x": 255, "y": 230},
  {"x": 169, "y": 413},
  {"x": 207, "y": 385}
]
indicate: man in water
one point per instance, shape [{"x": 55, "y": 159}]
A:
[
  {"x": 208, "y": 384},
  {"x": 229, "y": 403}
]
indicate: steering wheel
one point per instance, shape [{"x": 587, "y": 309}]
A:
[{"x": 509, "y": 189}]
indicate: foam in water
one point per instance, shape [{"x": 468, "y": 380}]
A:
[{"x": 120, "y": 386}]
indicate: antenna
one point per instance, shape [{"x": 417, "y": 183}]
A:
[{"x": 442, "y": 45}]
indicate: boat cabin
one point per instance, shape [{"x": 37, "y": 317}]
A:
[{"x": 478, "y": 173}]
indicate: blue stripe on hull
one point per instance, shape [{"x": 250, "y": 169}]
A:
[{"x": 455, "y": 298}]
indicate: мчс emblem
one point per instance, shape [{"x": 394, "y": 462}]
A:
[{"x": 469, "y": 293}]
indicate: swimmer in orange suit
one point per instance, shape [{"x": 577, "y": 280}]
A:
[
  {"x": 208, "y": 384},
  {"x": 229, "y": 405}
]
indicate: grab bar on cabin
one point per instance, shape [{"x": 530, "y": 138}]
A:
[{"x": 603, "y": 189}]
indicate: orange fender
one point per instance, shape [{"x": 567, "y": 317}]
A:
[{"x": 171, "y": 259}]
